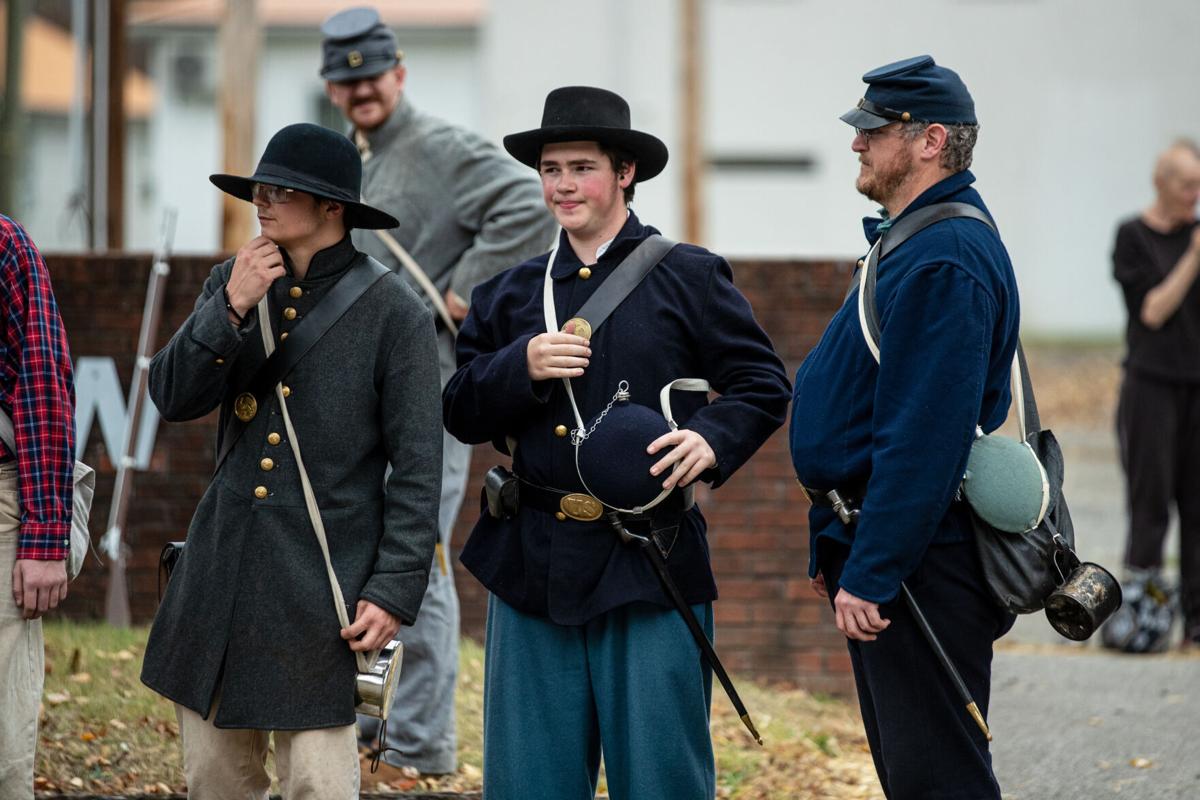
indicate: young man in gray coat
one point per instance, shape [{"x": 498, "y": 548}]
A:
[
  {"x": 466, "y": 212},
  {"x": 247, "y": 640}
]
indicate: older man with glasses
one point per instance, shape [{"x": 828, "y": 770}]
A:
[{"x": 890, "y": 435}]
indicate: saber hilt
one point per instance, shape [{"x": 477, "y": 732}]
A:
[{"x": 655, "y": 556}]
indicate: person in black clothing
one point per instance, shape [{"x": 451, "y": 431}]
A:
[{"x": 1156, "y": 260}]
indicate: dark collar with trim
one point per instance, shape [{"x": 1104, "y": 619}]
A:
[
  {"x": 327, "y": 263},
  {"x": 567, "y": 263}
]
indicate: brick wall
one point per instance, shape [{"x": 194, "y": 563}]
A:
[{"x": 770, "y": 625}]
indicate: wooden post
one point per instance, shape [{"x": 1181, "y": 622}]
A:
[
  {"x": 12, "y": 115},
  {"x": 115, "y": 155},
  {"x": 240, "y": 38},
  {"x": 691, "y": 121}
]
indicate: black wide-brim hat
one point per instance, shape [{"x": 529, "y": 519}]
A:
[
  {"x": 316, "y": 160},
  {"x": 588, "y": 114}
]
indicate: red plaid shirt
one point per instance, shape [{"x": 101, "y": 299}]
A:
[{"x": 37, "y": 391}]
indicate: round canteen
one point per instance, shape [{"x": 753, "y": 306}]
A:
[
  {"x": 613, "y": 462},
  {"x": 1006, "y": 484}
]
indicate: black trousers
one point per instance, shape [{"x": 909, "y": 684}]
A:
[
  {"x": 1158, "y": 426},
  {"x": 925, "y": 744}
]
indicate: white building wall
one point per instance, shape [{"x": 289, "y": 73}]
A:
[
  {"x": 443, "y": 66},
  {"x": 1075, "y": 98}
]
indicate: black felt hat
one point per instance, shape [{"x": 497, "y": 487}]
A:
[
  {"x": 316, "y": 160},
  {"x": 588, "y": 114}
]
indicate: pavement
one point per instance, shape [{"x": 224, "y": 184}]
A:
[{"x": 1078, "y": 721}]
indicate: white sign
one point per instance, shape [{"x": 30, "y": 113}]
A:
[{"x": 98, "y": 394}]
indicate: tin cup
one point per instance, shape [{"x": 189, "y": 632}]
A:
[
  {"x": 1085, "y": 600},
  {"x": 374, "y": 691}
]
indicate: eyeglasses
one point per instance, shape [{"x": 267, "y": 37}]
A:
[
  {"x": 877, "y": 133},
  {"x": 266, "y": 193}
]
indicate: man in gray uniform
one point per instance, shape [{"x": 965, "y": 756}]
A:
[{"x": 466, "y": 212}]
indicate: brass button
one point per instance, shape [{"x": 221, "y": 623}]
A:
[
  {"x": 283, "y": 336},
  {"x": 273, "y": 438},
  {"x": 560, "y": 516},
  {"x": 260, "y": 492},
  {"x": 906, "y": 117},
  {"x": 220, "y": 361},
  {"x": 295, "y": 291},
  {"x": 267, "y": 465},
  {"x": 289, "y": 313},
  {"x": 560, "y": 431},
  {"x": 287, "y": 391},
  {"x": 585, "y": 272}
]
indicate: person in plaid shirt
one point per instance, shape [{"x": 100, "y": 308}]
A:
[{"x": 37, "y": 393}]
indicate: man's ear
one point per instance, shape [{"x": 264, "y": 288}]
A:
[
  {"x": 334, "y": 210},
  {"x": 934, "y": 141},
  {"x": 627, "y": 174}
]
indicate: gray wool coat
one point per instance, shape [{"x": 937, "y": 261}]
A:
[
  {"x": 467, "y": 210},
  {"x": 249, "y": 606}
]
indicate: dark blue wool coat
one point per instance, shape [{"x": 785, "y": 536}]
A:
[
  {"x": 949, "y": 312},
  {"x": 685, "y": 320}
]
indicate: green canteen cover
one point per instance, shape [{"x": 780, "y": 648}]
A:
[{"x": 1006, "y": 484}]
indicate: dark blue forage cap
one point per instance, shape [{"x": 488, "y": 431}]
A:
[
  {"x": 915, "y": 89},
  {"x": 613, "y": 463},
  {"x": 356, "y": 45}
]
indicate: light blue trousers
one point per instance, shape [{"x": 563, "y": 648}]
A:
[{"x": 630, "y": 683}]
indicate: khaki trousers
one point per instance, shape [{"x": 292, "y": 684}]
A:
[
  {"x": 22, "y": 659},
  {"x": 231, "y": 763}
]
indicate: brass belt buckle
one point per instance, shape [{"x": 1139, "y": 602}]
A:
[{"x": 581, "y": 507}]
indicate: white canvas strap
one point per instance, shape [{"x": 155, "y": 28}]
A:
[
  {"x": 414, "y": 269},
  {"x": 681, "y": 384},
  {"x": 6, "y": 432},
  {"x": 365, "y": 660}
]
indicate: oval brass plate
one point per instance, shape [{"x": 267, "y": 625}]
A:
[
  {"x": 581, "y": 507},
  {"x": 583, "y": 328},
  {"x": 245, "y": 406}
]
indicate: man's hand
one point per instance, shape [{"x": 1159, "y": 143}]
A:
[
  {"x": 456, "y": 306},
  {"x": 857, "y": 618},
  {"x": 691, "y": 452},
  {"x": 38, "y": 586},
  {"x": 372, "y": 627},
  {"x": 557, "y": 355},
  {"x": 257, "y": 264},
  {"x": 818, "y": 585}
]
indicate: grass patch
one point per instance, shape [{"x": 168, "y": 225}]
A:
[{"x": 102, "y": 732}]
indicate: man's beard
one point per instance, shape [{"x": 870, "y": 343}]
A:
[{"x": 883, "y": 182}]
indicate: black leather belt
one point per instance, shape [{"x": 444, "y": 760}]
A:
[
  {"x": 852, "y": 494},
  {"x": 846, "y": 504},
  {"x": 585, "y": 508}
]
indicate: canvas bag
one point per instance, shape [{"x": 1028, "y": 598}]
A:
[
  {"x": 84, "y": 488},
  {"x": 1022, "y": 569}
]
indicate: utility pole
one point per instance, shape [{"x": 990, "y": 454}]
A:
[
  {"x": 691, "y": 121},
  {"x": 239, "y": 40},
  {"x": 115, "y": 187},
  {"x": 12, "y": 115}
]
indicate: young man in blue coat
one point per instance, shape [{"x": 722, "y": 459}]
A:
[
  {"x": 585, "y": 651},
  {"x": 893, "y": 438}
]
